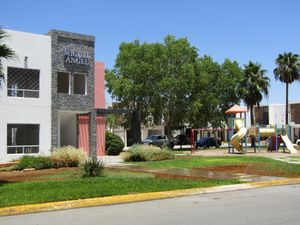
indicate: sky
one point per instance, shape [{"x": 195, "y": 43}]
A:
[{"x": 240, "y": 30}]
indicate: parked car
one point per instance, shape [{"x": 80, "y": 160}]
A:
[
  {"x": 156, "y": 140},
  {"x": 208, "y": 142},
  {"x": 180, "y": 139},
  {"x": 298, "y": 142}
]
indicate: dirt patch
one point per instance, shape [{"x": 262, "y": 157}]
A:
[
  {"x": 19, "y": 176},
  {"x": 176, "y": 176},
  {"x": 250, "y": 168},
  {"x": 4, "y": 165},
  {"x": 240, "y": 168}
]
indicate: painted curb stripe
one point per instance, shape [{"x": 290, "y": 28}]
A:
[{"x": 100, "y": 201}]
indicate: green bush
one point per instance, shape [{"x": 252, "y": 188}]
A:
[
  {"x": 139, "y": 153},
  {"x": 114, "y": 144},
  {"x": 67, "y": 156},
  {"x": 92, "y": 168},
  {"x": 37, "y": 162}
]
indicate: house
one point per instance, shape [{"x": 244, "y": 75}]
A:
[
  {"x": 274, "y": 114},
  {"x": 50, "y": 96}
]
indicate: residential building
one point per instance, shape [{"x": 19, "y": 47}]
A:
[
  {"x": 274, "y": 114},
  {"x": 52, "y": 90}
]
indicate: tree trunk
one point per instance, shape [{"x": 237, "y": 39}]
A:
[
  {"x": 287, "y": 103},
  {"x": 252, "y": 123},
  {"x": 136, "y": 127},
  {"x": 251, "y": 115},
  {"x": 168, "y": 131}
]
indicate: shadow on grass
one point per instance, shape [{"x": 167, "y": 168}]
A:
[{"x": 2, "y": 182}]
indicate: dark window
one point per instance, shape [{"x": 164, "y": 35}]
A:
[
  {"x": 63, "y": 83},
  {"x": 23, "y": 138},
  {"x": 23, "y": 82},
  {"x": 79, "y": 84}
]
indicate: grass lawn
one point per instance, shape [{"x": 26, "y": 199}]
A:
[
  {"x": 295, "y": 157},
  {"x": 112, "y": 183},
  {"x": 240, "y": 164},
  {"x": 17, "y": 188},
  {"x": 198, "y": 161}
]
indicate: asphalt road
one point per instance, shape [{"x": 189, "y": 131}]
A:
[{"x": 271, "y": 205}]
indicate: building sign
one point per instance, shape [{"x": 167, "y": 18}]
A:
[{"x": 72, "y": 56}]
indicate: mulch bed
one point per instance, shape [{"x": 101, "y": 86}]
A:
[
  {"x": 175, "y": 176},
  {"x": 20, "y": 176}
]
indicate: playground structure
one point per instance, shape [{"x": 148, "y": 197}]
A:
[
  {"x": 237, "y": 134},
  {"x": 235, "y": 141}
]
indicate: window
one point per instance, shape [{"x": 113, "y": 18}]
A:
[
  {"x": 63, "y": 83},
  {"x": 71, "y": 83},
  {"x": 23, "y": 82},
  {"x": 23, "y": 138},
  {"x": 79, "y": 84}
]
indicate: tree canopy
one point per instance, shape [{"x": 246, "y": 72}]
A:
[
  {"x": 168, "y": 82},
  {"x": 213, "y": 92},
  {"x": 287, "y": 71},
  {"x": 253, "y": 85}
]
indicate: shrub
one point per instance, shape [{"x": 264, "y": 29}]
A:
[
  {"x": 139, "y": 153},
  {"x": 37, "y": 162},
  {"x": 67, "y": 156},
  {"x": 114, "y": 144},
  {"x": 92, "y": 168}
]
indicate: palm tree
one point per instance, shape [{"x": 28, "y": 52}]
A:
[
  {"x": 5, "y": 52},
  {"x": 253, "y": 86},
  {"x": 287, "y": 71}
]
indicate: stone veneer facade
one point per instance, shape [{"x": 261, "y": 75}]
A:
[{"x": 72, "y": 102}]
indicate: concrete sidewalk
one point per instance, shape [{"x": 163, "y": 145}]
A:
[
  {"x": 224, "y": 152},
  {"x": 111, "y": 160}
]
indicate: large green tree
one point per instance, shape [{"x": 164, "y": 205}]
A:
[
  {"x": 5, "y": 52},
  {"x": 254, "y": 84},
  {"x": 155, "y": 79},
  {"x": 132, "y": 80},
  {"x": 176, "y": 80},
  {"x": 214, "y": 91},
  {"x": 169, "y": 82},
  {"x": 287, "y": 71}
]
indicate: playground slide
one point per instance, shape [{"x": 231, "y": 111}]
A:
[
  {"x": 235, "y": 141},
  {"x": 288, "y": 144}
]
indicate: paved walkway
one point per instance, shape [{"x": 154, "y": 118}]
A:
[
  {"x": 111, "y": 160},
  {"x": 224, "y": 152}
]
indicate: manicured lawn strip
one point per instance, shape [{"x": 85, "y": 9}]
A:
[
  {"x": 49, "y": 191},
  {"x": 295, "y": 157},
  {"x": 198, "y": 162},
  {"x": 283, "y": 169},
  {"x": 76, "y": 173}
]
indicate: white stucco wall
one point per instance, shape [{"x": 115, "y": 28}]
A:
[
  {"x": 277, "y": 114},
  {"x": 27, "y": 110}
]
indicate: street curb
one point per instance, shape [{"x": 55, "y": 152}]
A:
[{"x": 101, "y": 201}]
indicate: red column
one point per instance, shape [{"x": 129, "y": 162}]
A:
[
  {"x": 100, "y": 103},
  {"x": 83, "y": 137},
  {"x": 100, "y": 127},
  {"x": 99, "y": 85}
]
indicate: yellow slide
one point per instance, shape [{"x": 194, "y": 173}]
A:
[{"x": 235, "y": 140}]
